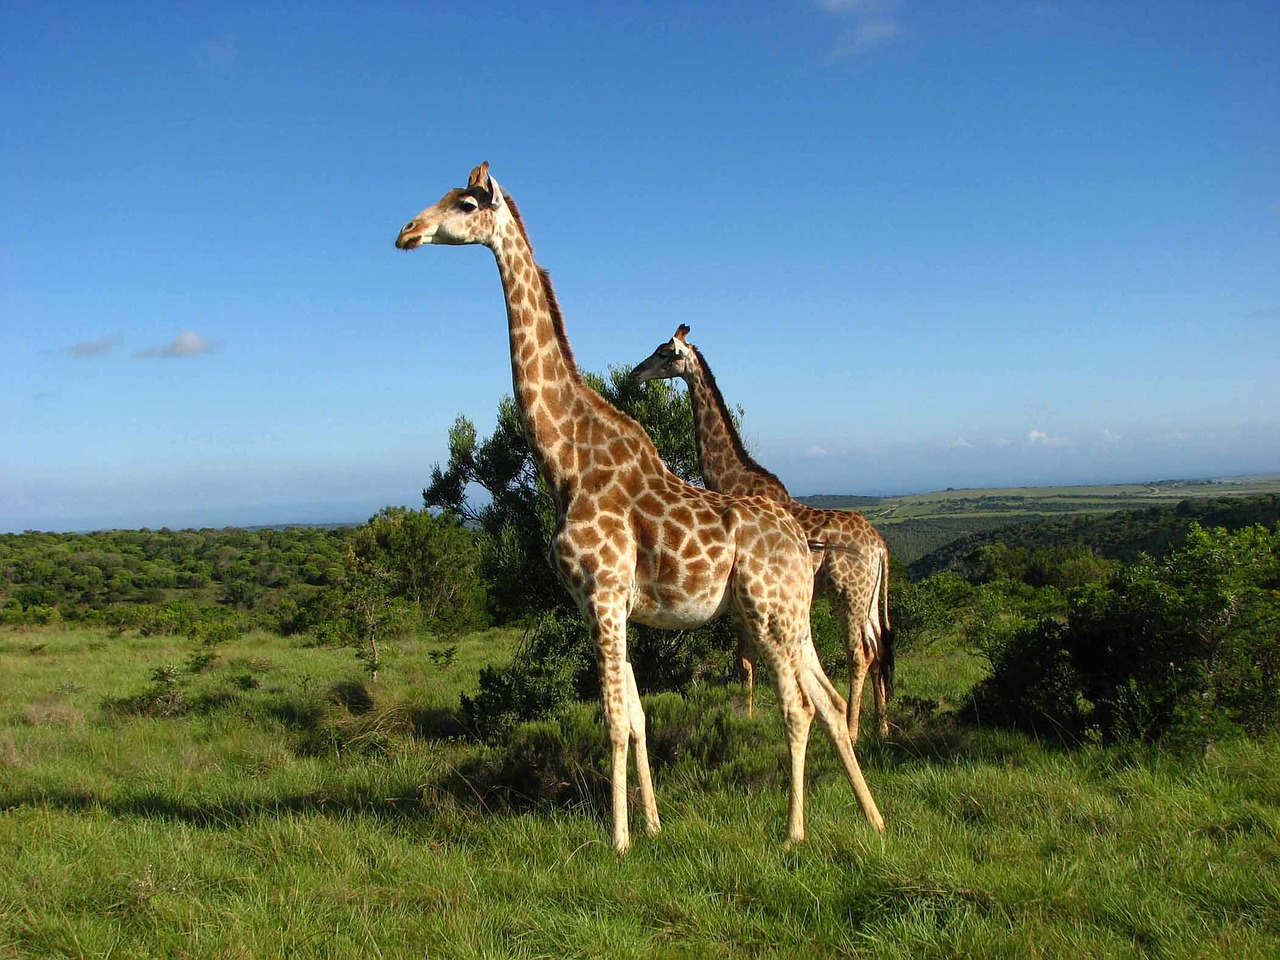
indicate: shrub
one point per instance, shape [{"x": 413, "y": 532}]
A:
[
  {"x": 553, "y": 666},
  {"x": 564, "y": 760},
  {"x": 1180, "y": 651},
  {"x": 163, "y": 698},
  {"x": 213, "y": 634},
  {"x": 556, "y": 762}
]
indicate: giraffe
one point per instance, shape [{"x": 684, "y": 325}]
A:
[
  {"x": 853, "y": 561},
  {"x": 632, "y": 540}
]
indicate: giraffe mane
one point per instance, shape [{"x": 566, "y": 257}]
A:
[
  {"x": 553, "y": 305},
  {"x": 722, "y": 409}
]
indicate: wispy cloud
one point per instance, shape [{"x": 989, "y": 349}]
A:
[
  {"x": 1038, "y": 438},
  {"x": 87, "y": 349},
  {"x": 1109, "y": 437},
  {"x": 959, "y": 443},
  {"x": 817, "y": 452},
  {"x": 871, "y": 24},
  {"x": 186, "y": 344}
]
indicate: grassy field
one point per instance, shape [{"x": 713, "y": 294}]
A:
[{"x": 269, "y": 804}]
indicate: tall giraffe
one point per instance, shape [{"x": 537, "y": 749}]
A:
[
  {"x": 632, "y": 540},
  {"x": 854, "y": 561}
]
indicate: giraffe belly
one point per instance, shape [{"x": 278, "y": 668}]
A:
[{"x": 656, "y": 607}]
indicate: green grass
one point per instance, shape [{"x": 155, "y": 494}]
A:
[{"x": 266, "y": 819}]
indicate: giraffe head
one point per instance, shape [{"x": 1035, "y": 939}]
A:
[
  {"x": 468, "y": 214},
  {"x": 675, "y": 358}
]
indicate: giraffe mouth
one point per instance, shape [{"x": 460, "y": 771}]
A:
[{"x": 409, "y": 243}]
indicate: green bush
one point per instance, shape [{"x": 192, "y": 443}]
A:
[
  {"x": 1181, "y": 651},
  {"x": 553, "y": 666},
  {"x": 564, "y": 760},
  {"x": 164, "y": 697},
  {"x": 555, "y": 762}
]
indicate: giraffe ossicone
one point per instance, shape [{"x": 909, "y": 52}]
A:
[
  {"x": 852, "y": 561},
  {"x": 632, "y": 540}
]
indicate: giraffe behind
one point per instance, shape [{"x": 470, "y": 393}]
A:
[{"x": 853, "y": 560}]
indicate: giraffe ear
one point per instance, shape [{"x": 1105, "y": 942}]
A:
[
  {"x": 682, "y": 331},
  {"x": 478, "y": 176},
  {"x": 495, "y": 194}
]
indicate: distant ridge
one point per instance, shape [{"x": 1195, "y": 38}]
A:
[
  {"x": 917, "y": 525},
  {"x": 1118, "y": 535},
  {"x": 838, "y": 501}
]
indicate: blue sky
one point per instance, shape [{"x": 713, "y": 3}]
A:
[{"x": 924, "y": 244}]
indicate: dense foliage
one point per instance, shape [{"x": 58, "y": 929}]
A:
[
  {"x": 129, "y": 576},
  {"x": 1181, "y": 650},
  {"x": 402, "y": 569}
]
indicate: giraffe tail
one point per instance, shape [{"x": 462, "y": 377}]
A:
[{"x": 888, "y": 658}]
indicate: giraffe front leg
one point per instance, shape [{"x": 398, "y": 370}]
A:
[
  {"x": 611, "y": 652},
  {"x": 648, "y": 798},
  {"x": 797, "y": 717}
]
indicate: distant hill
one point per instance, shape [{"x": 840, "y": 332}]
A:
[
  {"x": 915, "y": 525},
  {"x": 839, "y": 501},
  {"x": 1118, "y": 535},
  {"x": 909, "y": 540}
]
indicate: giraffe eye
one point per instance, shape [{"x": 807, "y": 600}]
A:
[{"x": 468, "y": 204}]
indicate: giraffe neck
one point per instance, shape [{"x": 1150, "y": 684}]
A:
[
  {"x": 726, "y": 465},
  {"x": 554, "y": 403}
]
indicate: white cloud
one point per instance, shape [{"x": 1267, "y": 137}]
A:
[
  {"x": 957, "y": 444},
  {"x": 1039, "y": 438},
  {"x": 92, "y": 348},
  {"x": 817, "y": 452},
  {"x": 873, "y": 23},
  {"x": 1109, "y": 437},
  {"x": 186, "y": 344}
]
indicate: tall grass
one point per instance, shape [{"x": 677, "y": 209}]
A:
[{"x": 289, "y": 809}]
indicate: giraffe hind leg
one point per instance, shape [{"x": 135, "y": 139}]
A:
[
  {"x": 831, "y": 713},
  {"x": 746, "y": 668},
  {"x": 879, "y": 692},
  {"x": 797, "y": 718},
  {"x": 855, "y": 653}
]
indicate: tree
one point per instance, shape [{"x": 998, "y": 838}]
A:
[
  {"x": 431, "y": 561},
  {"x": 365, "y": 596}
]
